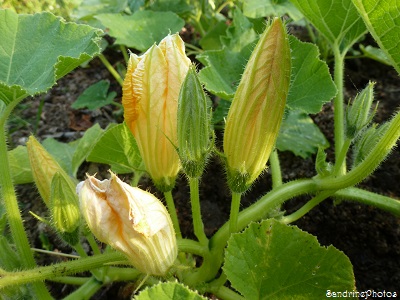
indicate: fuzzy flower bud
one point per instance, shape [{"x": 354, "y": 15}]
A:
[
  {"x": 194, "y": 131},
  {"x": 64, "y": 208},
  {"x": 130, "y": 220},
  {"x": 150, "y": 99},
  {"x": 44, "y": 167},
  {"x": 358, "y": 115},
  {"x": 257, "y": 108}
]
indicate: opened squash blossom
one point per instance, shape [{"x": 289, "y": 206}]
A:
[
  {"x": 130, "y": 220},
  {"x": 150, "y": 99},
  {"x": 256, "y": 112}
]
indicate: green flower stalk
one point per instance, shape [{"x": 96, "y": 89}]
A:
[
  {"x": 194, "y": 132},
  {"x": 257, "y": 108}
]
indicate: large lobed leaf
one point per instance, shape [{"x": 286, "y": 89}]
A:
[
  {"x": 36, "y": 50},
  {"x": 271, "y": 260},
  {"x": 337, "y": 20},
  {"x": 168, "y": 291},
  {"x": 142, "y": 29},
  {"x": 382, "y": 18}
]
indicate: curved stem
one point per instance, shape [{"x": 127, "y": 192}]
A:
[
  {"x": 172, "y": 212},
  {"x": 235, "y": 206},
  {"x": 259, "y": 209},
  {"x": 306, "y": 207},
  {"x": 10, "y": 201},
  {"x": 196, "y": 211},
  {"x": 341, "y": 157},
  {"x": 370, "y": 163},
  {"x": 111, "y": 69},
  {"x": 383, "y": 202},
  {"x": 190, "y": 246}
]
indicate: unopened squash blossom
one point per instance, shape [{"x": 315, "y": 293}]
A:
[
  {"x": 150, "y": 99},
  {"x": 256, "y": 112},
  {"x": 130, "y": 220}
]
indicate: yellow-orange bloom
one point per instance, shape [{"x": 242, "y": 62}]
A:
[
  {"x": 130, "y": 220},
  {"x": 256, "y": 112},
  {"x": 150, "y": 99}
]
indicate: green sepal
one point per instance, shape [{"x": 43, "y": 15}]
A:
[
  {"x": 322, "y": 167},
  {"x": 238, "y": 182},
  {"x": 367, "y": 141},
  {"x": 194, "y": 126},
  {"x": 64, "y": 208},
  {"x": 358, "y": 114}
]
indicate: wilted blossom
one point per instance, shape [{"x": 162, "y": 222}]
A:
[{"x": 130, "y": 220}]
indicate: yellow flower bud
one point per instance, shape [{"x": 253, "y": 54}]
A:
[
  {"x": 44, "y": 167},
  {"x": 256, "y": 112},
  {"x": 130, "y": 220},
  {"x": 150, "y": 99}
]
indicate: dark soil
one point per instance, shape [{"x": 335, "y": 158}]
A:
[{"x": 368, "y": 236}]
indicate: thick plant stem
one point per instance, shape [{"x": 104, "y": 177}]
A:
[
  {"x": 370, "y": 163},
  {"x": 275, "y": 169},
  {"x": 339, "y": 108},
  {"x": 57, "y": 270},
  {"x": 11, "y": 206},
  {"x": 111, "y": 69},
  {"x": 86, "y": 291},
  {"x": 235, "y": 206},
  {"x": 369, "y": 198},
  {"x": 196, "y": 211},
  {"x": 172, "y": 212}
]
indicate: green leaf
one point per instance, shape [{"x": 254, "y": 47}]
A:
[
  {"x": 180, "y": 7},
  {"x": 257, "y": 9},
  {"x": 382, "y": 20},
  {"x": 90, "y": 8},
  {"x": 376, "y": 54},
  {"x": 39, "y": 49},
  {"x": 300, "y": 135},
  {"x": 142, "y": 29},
  {"x": 222, "y": 71},
  {"x": 240, "y": 33},
  {"x": 62, "y": 152},
  {"x": 19, "y": 165},
  {"x": 311, "y": 84},
  {"x": 83, "y": 148},
  {"x": 117, "y": 147},
  {"x": 337, "y": 20},
  {"x": 212, "y": 39},
  {"x": 168, "y": 291},
  {"x": 95, "y": 96},
  {"x": 271, "y": 260}
]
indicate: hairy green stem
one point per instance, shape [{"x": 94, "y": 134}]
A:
[
  {"x": 111, "y": 69},
  {"x": 306, "y": 207},
  {"x": 225, "y": 293},
  {"x": 172, "y": 211},
  {"x": 86, "y": 291},
  {"x": 196, "y": 211},
  {"x": 57, "y": 270},
  {"x": 9, "y": 198},
  {"x": 370, "y": 163},
  {"x": 275, "y": 169},
  {"x": 341, "y": 157},
  {"x": 190, "y": 246},
  {"x": 235, "y": 206},
  {"x": 339, "y": 107},
  {"x": 369, "y": 198}
]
